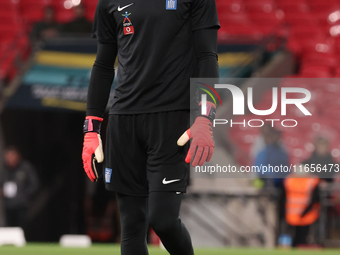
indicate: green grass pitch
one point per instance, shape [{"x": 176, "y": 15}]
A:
[{"x": 98, "y": 249}]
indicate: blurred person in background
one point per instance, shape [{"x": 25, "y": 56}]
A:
[
  {"x": 18, "y": 182},
  {"x": 48, "y": 27},
  {"x": 80, "y": 25},
  {"x": 302, "y": 203},
  {"x": 336, "y": 193},
  {"x": 323, "y": 157},
  {"x": 259, "y": 144},
  {"x": 273, "y": 155}
]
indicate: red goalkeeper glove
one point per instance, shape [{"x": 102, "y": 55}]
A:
[
  {"x": 92, "y": 147},
  {"x": 202, "y": 144}
]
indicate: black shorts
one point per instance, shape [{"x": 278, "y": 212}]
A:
[{"x": 142, "y": 154}]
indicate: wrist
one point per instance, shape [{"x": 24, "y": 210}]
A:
[
  {"x": 210, "y": 111},
  {"x": 92, "y": 124}
]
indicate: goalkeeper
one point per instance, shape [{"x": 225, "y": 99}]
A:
[{"x": 159, "y": 49}]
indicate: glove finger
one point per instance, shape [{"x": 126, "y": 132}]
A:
[
  {"x": 89, "y": 175},
  {"x": 197, "y": 156},
  {"x": 187, "y": 158},
  {"x": 184, "y": 138},
  {"x": 211, "y": 152},
  {"x": 204, "y": 156},
  {"x": 88, "y": 170},
  {"x": 99, "y": 151},
  {"x": 94, "y": 168},
  {"x": 86, "y": 156}
]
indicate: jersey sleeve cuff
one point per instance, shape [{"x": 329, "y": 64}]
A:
[{"x": 104, "y": 40}]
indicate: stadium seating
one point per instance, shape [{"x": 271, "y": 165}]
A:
[
  {"x": 64, "y": 16},
  {"x": 325, "y": 6},
  {"x": 294, "y": 6},
  {"x": 235, "y": 18},
  {"x": 253, "y": 32},
  {"x": 337, "y": 72},
  {"x": 90, "y": 6},
  {"x": 329, "y": 2},
  {"x": 64, "y": 12},
  {"x": 317, "y": 71},
  {"x": 307, "y": 32},
  {"x": 17, "y": 18},
  {"x": 8, "y": 5},
  {"x": 316, "y": 58},
  {"x": 260, "y": 6},
  {"x": 32, "y": 11},
  {"x": 272, "y": 18},
  {"x": 8, "y": 19},
  {"x": 321, "y": 45},
  {"x": 12, "y": 30},
  {"x": 279, "y": 2},
  {"x": 326, "y": 17},
  {"x": 229, "y": 6},
  {"x": 308, "y": 24},
  {"x": 33, "y": 16},
  {"x": 300, "y": 19}
]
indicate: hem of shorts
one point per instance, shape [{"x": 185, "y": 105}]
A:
[
  {"x": 109, "y": 188},
  {"x": 135, "y": 111},
  {"x": 169, "y": 190}
]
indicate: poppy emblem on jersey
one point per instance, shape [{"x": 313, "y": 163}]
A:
[
  {"x": 171, "y": 4},
  {"x": 127, "y": 24}
]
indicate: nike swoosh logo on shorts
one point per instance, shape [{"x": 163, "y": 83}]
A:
[
  {"x": 126, "y": 6},
  {"x": 165, "y": 182}
]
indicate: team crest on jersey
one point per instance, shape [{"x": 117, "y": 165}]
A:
[
  {"x": 127, "y": 24},
  {"x": 171, "y": 4},
  {"x": 108, "y": 173}
]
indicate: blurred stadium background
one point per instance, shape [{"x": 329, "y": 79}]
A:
[{"x": 43, "y": 86}]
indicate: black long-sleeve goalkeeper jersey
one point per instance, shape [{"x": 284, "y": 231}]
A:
[{"x": 160, "y": 46}]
